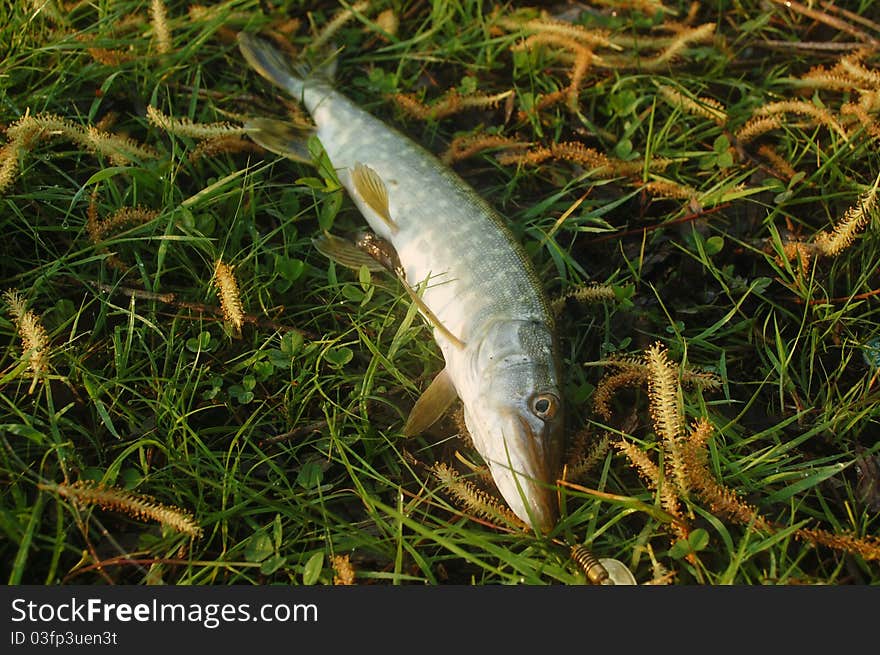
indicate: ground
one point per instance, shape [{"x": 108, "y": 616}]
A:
[{"x": 695, "y": 183}]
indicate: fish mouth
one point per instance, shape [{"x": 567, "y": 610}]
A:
[{"x": 524, "y": 475}]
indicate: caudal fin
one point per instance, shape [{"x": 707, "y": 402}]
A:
[{"x": 270, "y": 63}]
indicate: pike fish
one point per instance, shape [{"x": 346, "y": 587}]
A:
[{"x": 471, "y": 280}]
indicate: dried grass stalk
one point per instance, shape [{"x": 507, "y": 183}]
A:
[
  {"x": 161, "y": 29},
  {"x": 138, "y": 506},
  {"x": 854, "y": 220},
  {"x": 475, "y": 500},
  {"x": 585, "y": 454},
  {"x": 186, "y": 127},
  {"x": 705, "y": 107},
  {"x": 451, "y": 103},
  {"x": 119, "y": 149}
]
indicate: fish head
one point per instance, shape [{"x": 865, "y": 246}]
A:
[{"x": 513, "y": 412}]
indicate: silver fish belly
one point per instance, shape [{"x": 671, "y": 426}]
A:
[{"x": 495, "y": 330}]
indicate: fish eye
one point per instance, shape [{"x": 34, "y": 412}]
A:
[{"x": 545, "y": 405}]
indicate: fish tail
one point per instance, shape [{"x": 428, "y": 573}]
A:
[
  {"x": 269, "y": 62},
  {"x": 276, "y": 67}
]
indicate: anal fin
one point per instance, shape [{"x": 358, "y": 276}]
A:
[
  {"x": 431, "y": 405},
  {"x": 281, "y": 137},
  {"x": 345, "y": 253}
]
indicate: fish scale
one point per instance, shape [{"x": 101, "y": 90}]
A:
[{"x": 490, "y": 317}]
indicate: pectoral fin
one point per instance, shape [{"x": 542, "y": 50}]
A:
[
  {"x": 431, "y": 405},
  {"x": 281, "y": 137},
  {"x": 383, "y": 252},
  {"x": 372, "y": 190}
]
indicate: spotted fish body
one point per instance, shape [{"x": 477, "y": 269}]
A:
[{"x": 490, "y": 318}]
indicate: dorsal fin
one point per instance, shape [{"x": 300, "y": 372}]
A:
[{"x": 372, "y": 190}]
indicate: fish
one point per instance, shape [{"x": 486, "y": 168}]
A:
[{"x": 460, "y": 263}]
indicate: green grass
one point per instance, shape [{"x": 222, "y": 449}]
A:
[{"x": 285, "y": 443}]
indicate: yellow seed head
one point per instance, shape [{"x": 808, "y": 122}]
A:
[
  {"x": 344, "y": 570},
  {"x": 853, "y": 221},
  {"x": 34, "y": 339},
  {"x": 230, "y": 299},
  {"x": 161, "y": 30},
  {"x": 138, "y": 506}
]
